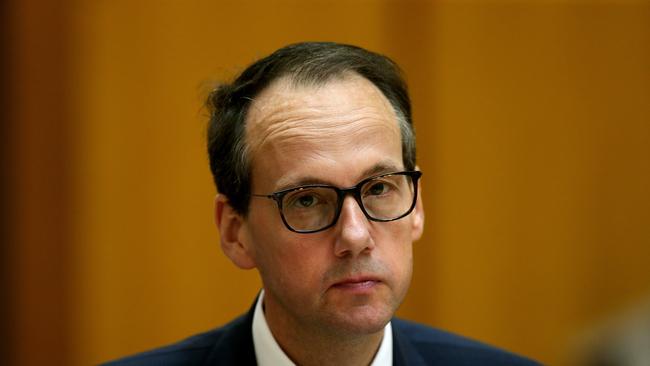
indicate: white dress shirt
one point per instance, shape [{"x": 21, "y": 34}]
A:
[{"x": 269, "y": 353}]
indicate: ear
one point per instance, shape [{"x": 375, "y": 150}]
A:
[
  {"x": 418, "y": 217},
  {"x": 235, "y": 241}
]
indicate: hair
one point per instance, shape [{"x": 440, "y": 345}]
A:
[{"x": 309, "y": 63}]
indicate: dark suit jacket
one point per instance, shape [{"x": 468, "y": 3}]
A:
[{"x": 413, "y": 344}]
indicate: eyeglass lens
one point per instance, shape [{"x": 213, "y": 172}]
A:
[{"x": 383, "y": 198}]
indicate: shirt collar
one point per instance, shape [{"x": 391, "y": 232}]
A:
[{"x": 269, "y": 353}]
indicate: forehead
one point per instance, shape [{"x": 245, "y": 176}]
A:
[
  {"x": 286, "y": 106},
  {"x": 291, "y": 127}
]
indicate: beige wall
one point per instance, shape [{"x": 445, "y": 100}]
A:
[{"x": 533, "y": 122}]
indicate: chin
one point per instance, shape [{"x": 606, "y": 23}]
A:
[{"x": 362, "y": 320}]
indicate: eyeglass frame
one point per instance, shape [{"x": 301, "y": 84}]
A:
[{"x": 341, "y": 193}]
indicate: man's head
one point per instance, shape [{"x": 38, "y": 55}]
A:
[
  {"x": 312, "y": 119},
  {"x": 305, "y": 64}
]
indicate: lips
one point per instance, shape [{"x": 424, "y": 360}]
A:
[{"x": 358, "y": 283}]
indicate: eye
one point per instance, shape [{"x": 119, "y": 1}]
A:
[
  {"x": 305, "y": 201},
  {"x": 378, "y": 188},
  {"x": 302, "y": 199}
]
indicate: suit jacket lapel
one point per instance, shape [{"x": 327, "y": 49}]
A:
[{"x": 404, "y": 353}]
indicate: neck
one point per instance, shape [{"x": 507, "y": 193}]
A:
[{"x": 307, "y": 346}]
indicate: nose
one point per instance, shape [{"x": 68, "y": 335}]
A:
[{"x": 353, "y": 230}]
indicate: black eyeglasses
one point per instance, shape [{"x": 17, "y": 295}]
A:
[{"x": 316, "y": 207}]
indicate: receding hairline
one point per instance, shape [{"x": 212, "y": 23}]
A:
[{"x": 290, "y": 84}]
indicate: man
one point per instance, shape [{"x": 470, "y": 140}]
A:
[{"x": 313, "y": 153}]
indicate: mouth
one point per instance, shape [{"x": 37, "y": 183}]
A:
[{"x": 357, "y": 284}]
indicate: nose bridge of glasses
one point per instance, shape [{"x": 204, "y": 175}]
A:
[{"x": 355, "y": 192}]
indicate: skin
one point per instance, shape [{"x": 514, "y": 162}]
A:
[{"x": 338, "y": 288}]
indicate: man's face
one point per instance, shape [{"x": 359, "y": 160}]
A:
[{"x": 351, "y": 277}]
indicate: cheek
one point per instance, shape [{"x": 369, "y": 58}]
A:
[
  {"x": 402, "y": 261},
  {"x": 289, "y": 262},
  {"x": 398, "y": 249},
  {"x": 401, "y": 257}
]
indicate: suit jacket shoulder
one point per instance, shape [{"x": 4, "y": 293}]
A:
[
  {"x": 231, "y": 344},
  {"x": 417, "y": 344}
]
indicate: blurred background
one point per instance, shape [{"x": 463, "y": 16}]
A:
[{"x": 533, "y": 123}]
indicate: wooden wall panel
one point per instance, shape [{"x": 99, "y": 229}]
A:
[
  {"x": 540, "y": 146},
  {"x": 5, "y": 315},
  {"x": 36, "y": 182}
]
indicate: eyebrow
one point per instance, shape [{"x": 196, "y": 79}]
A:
[{"x": 381, "y": 167}]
